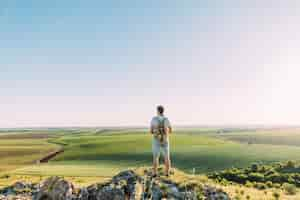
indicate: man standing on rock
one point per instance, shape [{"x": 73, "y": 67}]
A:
[{"x": 160, "y": 129}]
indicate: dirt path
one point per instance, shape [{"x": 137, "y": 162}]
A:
[{"x": 50, "y": 156}]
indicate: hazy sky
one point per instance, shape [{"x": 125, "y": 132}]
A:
[{"x": 109, "y": 63}]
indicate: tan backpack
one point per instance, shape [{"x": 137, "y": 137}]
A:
[{"x": 161, "y": 136}]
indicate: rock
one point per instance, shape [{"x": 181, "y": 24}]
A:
[
  {"x": 213, "y": 193},
  {"x": 15, "y": 197},
  {"x": 156, "y": 192},
  {"x": 92, "y": 191},
  {"x": 131, "y": 183},
  {"x": 83, "y": 194},
  {"x": 137, "y": 193},
  {"x": 9, "y": 191},
  {"x": 55, "y": 188},
  {"x": 189, "y": 195},
  {"x": 127, "y": 175},
  {"x": 127, "y": 185},
  {"x": 19, "y": 186},
  {"x": 110, "y": 193}
]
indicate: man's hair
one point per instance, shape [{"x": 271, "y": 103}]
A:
[{"x": 160, "y": 109}]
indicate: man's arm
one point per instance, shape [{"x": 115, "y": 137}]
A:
[
  {"x": 151, "y": 127},
  {"x": 168, "y": 127}
]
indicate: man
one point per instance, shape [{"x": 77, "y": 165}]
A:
[{"x": 160, "y": 129}]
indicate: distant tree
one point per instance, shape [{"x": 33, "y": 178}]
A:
[
  {"x": 254, "y": 167},
  {"x": 290, "y": 164}
]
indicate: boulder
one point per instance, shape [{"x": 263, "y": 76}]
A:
[
  {"x": 92, "y": 191},
  {"x": 83, "y": 194},
  {"x": 137, "y": 192},
  {"x": 20, "y": 185},
  {"x": 110, "y": 193},
  {"x": 125, "y": 185},
  {"x": 55, "y": 188}
]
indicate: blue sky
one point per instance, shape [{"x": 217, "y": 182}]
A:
[{"x": 88, "y": 63}]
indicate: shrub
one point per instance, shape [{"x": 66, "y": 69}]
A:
[
  {"x": 247, "y": 197},
  {"x": 276, "y": 185},
  {"x": 191, "y": 185},
  {"x": 241, "y": 178},
  {"x": 237, "y": 191},
  {"x": 271, "y": 175},
  {"x": 4, "y": 176},
  {"x": 290, "y": 164},
  {"x": 278, "y": 166},
  {"x": 254, "y": 167},
  {"x": 249, "y": 184},
  {"x": 276, "y": 178},
  {"x": 256, "y": 177},
  {"x": 237, "y": 197},
  {"x": 242, "y": 192},
  {"x": 269, "y": 184},
  {"x": 270, "y": 172},
  {"x": 200, "y": 196},
  {"x": 164, "y": 189},
  {"x": 260, "y": 186},
  {"x": 289, "y": 188},
  {"x": 224, "y": 182},
  {"x": 276, "y": 195}
]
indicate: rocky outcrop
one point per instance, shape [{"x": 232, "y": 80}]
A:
[
  {"x": 127, "y": 185},
  {"x": 55, "y": 188},
  {"x": 19, "y": 191}
]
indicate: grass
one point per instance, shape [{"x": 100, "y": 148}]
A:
[
  {"x": 236, "y": 190},
  {"x": 77, "y": 181},
  {"x": 91, "y": 152},
  {"x": 73, "y": 168},
  {"x": 289, "y": 137},
  {"x": 103, "y": 154},
  {"x": 94, "y": 156},
  {"x": 17, "y": 150}
]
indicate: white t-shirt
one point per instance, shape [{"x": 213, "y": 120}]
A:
[{"x": 155, "y": 122}]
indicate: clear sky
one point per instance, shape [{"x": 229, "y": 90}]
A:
[{"x": 109, "y": 63}]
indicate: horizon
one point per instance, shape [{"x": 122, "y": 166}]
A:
[
  {"x": 220, "y": 126},
  {"x": 79, "y": 64}
]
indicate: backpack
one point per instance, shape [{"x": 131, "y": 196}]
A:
[{"x": 161, "y": 136}]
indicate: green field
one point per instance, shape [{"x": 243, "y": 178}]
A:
[
  {"x": 289, "y": 137},
  {"x": 17, "y": 151},
  {"x": 104, "y": 152}
]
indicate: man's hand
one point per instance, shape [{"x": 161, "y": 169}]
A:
[{"x": 170, "y": 130}]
